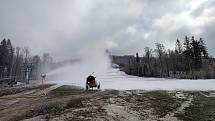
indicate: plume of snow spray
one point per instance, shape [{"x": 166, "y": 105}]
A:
[{"x": 93, "y": 59}]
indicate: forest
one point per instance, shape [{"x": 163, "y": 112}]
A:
[
  {"x": 18, "y": 64},
  {"x": 189, "y": 60}
]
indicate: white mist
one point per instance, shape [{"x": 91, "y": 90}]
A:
[{"x": 94, "y": 59}]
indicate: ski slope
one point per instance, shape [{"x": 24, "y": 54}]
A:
[{"x": 115, "y": 79}]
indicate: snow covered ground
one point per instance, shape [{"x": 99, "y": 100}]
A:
[{"x": 115, "y": 79}]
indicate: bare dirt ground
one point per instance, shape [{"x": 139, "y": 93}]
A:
[{"x": 67, "y": 103}]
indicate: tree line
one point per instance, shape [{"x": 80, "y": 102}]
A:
[
  {"x": 20, "y": 64},
  {"x": 189, "y": 59}
]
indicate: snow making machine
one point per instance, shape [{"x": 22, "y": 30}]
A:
[{"x": 91, "y": 82}]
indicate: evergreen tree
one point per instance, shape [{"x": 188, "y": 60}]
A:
[
  {"x": 178, "y": 56},
  {"x": 187, "y": 54},
  {"x": 196, "y": 53},
  {"x": 10, "y": 57},
  {"x": 178, "y": 48},
  {"x": 137, "y": 64},
  {"x": 4, "y": 60},
  {"x": 187, "y": 51},
  {"x": 137, "y": 58},
  {"x": 148, "y": 56},
  {"x": 203, "y": 48}
]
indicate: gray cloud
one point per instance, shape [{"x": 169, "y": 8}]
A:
[{"x": 65, "y": 28}]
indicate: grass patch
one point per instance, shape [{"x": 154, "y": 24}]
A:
[
  {"x": 202, "y": 109},
  {"x": 162, "y": 102},
  {"x": 75, "y": 103},
  {"x": 67, "y": 90},
  {"x": 56, "y": 108},
  {"x": 11, "y": 91}
]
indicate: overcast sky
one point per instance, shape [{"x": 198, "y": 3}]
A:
[{"x": 65, "y": 27}]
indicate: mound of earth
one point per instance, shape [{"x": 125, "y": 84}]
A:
[{"x": 74, "y": 104}]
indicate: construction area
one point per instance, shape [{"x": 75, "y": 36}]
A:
[{"x": 51, "y": 102}]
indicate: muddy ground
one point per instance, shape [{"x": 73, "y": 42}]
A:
[{"x": 67, "y": 103}]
